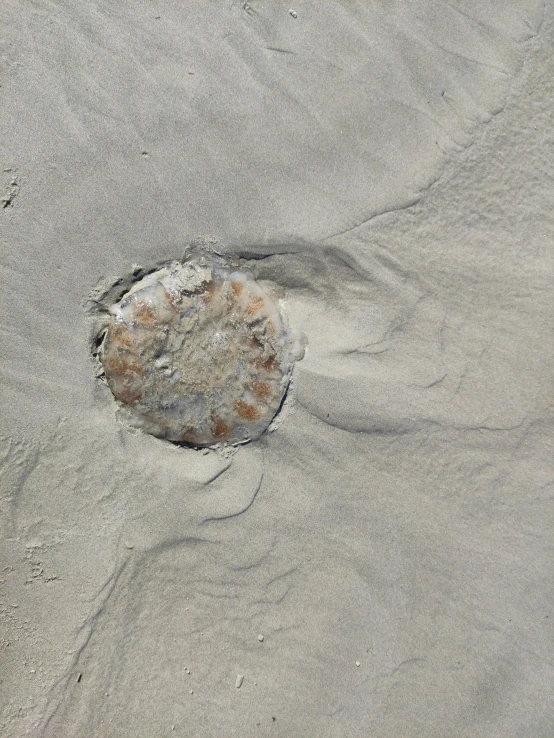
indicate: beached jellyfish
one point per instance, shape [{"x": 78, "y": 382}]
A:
[{"x": 198, "y": 353}]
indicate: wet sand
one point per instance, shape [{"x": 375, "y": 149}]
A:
[{"x": 380, "y": 564}]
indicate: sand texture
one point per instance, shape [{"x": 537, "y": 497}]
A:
[{"x": 379, "y": 565}]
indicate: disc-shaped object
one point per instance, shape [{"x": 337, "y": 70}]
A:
[{"x": 198, "y": 353}]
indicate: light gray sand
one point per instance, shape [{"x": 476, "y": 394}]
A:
[{"x": 392, "y": 540}]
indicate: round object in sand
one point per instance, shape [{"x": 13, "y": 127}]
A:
[{"x": 198, "y": 353}]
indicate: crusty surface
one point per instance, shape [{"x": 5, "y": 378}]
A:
[{"x": 198, "y": 353}]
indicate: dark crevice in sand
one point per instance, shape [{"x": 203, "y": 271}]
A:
[
  {"x": 281, "y": 51},
  {"x": 254, "y": 255},
  {"x": 363, "y": 222},
  {"x": 407, "y": 425},
  {"x": 239, "y": 512},
  {"x": 217, "y": 474}
]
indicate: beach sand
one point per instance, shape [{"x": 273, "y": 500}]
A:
[{"x": 380, "y": 565}]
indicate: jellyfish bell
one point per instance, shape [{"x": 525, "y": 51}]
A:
[{"x": 197, "y": 352}]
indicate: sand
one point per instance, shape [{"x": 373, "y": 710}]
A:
[{"x": 381, "y": 564}]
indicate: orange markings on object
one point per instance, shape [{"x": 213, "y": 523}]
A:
[
  {"x": 220, "y": 429},
  {"x": 121, "y": 367},
  {"x": 260, "y": 389},
  {"x": 121, "y": 334},
  {"x": 255, "y": 305},
  {"x": 269, "y": 365},
  {"x": 144, "y": 313},
  {"x": 237, "y": 288},
  {"x": 127, "y": 397},
  {"x": 188, "y": 437},
  {"x": 246, "y": 410}
]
